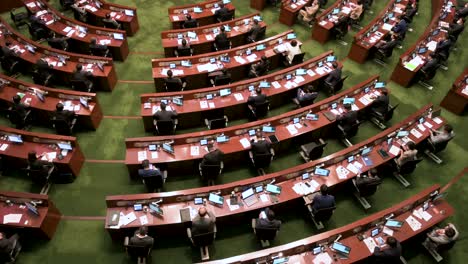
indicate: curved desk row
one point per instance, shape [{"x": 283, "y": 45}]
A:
[
  {"x": 16, "y": 154},
  {"x": 125, "y": 15},
  {"x": 30, "y": 52},
  {"x": 290, "y": 181},
  {"x": 196, "y": 107},
  {"x": 413, "y": 60},
  {"x": 205, "y": 36},
  {"x": 201, "y": 68},
  {"x": 456, "y": 100},
  {"x": 204, "y": 17},
  {"x": 300, "y": 251},
  {"x": 31, "y": 225},
  {"x": 79, "y": 34},
  {"x": 187, "y": 149},
  {"x": 89, "y": 117},
  {"x": 289, "y": 10},
  {"x": 366, "y": 39}
]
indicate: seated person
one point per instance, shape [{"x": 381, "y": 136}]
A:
[
  {"x": 204, "y": 222},
  {"x": 80, "y": 75},
  {"x": 261, "y": 146},
  {"x": 323, "y": 199},
  {"x": 306, "y": 95},
  {"x": 442, "y": 236},
  {"x": 408, "y": 152},
  {"x": 8, "y": 244},
  {"x": 20, "y": 108},
  {"x": 43, "y": 67},
  {"x": 390, "y": 254},
  {"x": 41, "y": 166},
  {"x": 141, "y": 238},
  {"x": 221, "y": 40},
  {"x": 347, "y": 119},
  {"x": 356, "y": 11},
  {"x": 292, "y": 49},
  {"x": 257, "y": 99},
  {"x": 411, "y": 11},
  {"x": 190, "y": 22},
  {"x": 37, "y": 24},
  {"x": 431, "y": 65},
  {"x": 442, "y": 50},
  {"x": 260, "y": 68},
  {"x": 58, "y": 42},
  {"x": 222, "y": 13},
  {"x": 308, "y": 13},
  {"x": 381, "y": 103},
  {"x": 401, "y": 26},
  {"x": 8, "y": 53},
  {"x": 456, "y": 28},
  {"x": 341, "y": 26},
  {"x": 183, "y": 49},
  {"x": 224, "y": 78},
  {"x": 173, "y": 81},
  {"x": 213, "y": 157},
  {"x": 254, "y": 31},
  {"x": 363, "y": 183},
  {"x": 65, "y": 115},
  {"x": 462, "y": 12},
  {"x": 441, "y": 136},
  {"x": 108, "y": 20},
  {"x": 334, "y": 77},
  {"x": 266, "y": 219},
  {"x": 164, "y": 115},
  {"x": 150, "y": 175},
  {"x": 386, "y": 47},
  {"x": 98, "y": 49}
]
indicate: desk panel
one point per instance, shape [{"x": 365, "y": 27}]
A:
[{"x": 456, "y": 100}]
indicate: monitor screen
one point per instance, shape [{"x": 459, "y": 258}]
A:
[
  {"x": 204, "y": 142},
  {"x": 375, "y": 232},
  {"x": 300, "y": 72},
  {"x": 180, "y": 36},
  {"x": 198, "y": 200},
  {"x": 137, "y": 207},
  {"x": 225, "y": 59},
  {"x": 251, "y": 88},
  {"x": 264, "y": 85},
  {"x": 178, "y": 100},
  {"x": 248, "y": 52},
  {"x": 118, "y": 36},
  {"x": 172, "y": 65},
  {"x": 273, "y": 188},
  {"x": 247, "y": 193},
  {"x": 312, "y": 117},
  {"x": 251, "y": 132},
  {"x": 222, "y": 139},
  {"x": 425, "y": 206},
  {"x": 258, "y": 18},
  {"x": 321, "y": 172},
  {"x": 336, "y": 11},
  {"x": 216, "y": 199},
  {"x": 341, "y": 248},
  {"x": 280, "y": 260},
  {"x": 291, "y": 36},
  {"x": 40, "y": 96},
  {"x": 317, "y": 250},
  {"x": 259, "y": 189},
  {"x": 296, "y": 120},
  {"x": 66, "y": 146},
  {"x": 379, "y": 85},
  {"x": 305, "y": 176},
  {"x": 226, "y": 2},
  {"x": 389, "y": 141},
  {"x": 186, "y": 63},
  {"x": 350, "y": 159},
  {"x": 289, "y": 77},
  {"x": 156, "y": 209},
  {"x": 212, "y": 60},
  {"x": 331, "y": 58},
  {"x": 129, "y": 12},
  {"x": 366, "y": 151},
  {"x": 191, "y": 35},
  {"x": 168, "y": 148},
  {"x": 84, "y": 102},
  {"x": 390, "y": 15},
  {"x": 152, "y": 147},
  {"x": 215, "y": 30},
  {"x": 164, "y": 101},
  {"x": 403, "y": 133},
  {"x": 320, "y": 64},
  {"x": 225, "y": 92},
  {"x": 261, "y": 47},
  {"x": 349, "y": 100},
  {"x": 334, "y": 105},
  {"x": 435, "y": 32},
  {"x": 422, "y": 50},
  {"x": 209, "y": 96},
  {"x": 268, "y": 129},
  {"x": 367, "y": 89},
  {"x": 393, "y": 223},
  {"x": 421, "y": 120},
  {"x": 15, "y": 138},
  {"x": 197, "y": 10},
  {"x": 32, "y": 208}
]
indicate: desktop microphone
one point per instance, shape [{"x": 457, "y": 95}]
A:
[
  {"x": 389, "y": 217},
  {"x": 217, "y": 193},
  {"x": 272, "y": 181},
  {"x": 338, "y": 238},
  {"x": 157, "y": 202}
]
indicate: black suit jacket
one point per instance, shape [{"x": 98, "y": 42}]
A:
[
  {"x": 221, "y": 12},
  {"x": 347, "y": 120},
  {"x": 363, "y": 183},
  {"x": 430, "y": 65},
  {"x": 388, "y": 47},
  {"x": 65, "y": 115},
  {"x": 256, "y": 100},
  {"x": 261, "y": 147},
  {"x": 192, "y": 23},
  {"x": 21, "y": 109},
  {"x": 323, "y": 201},
  {"x": 388, "y": 255},
  {"x": 254, "y": 31},
  {"x": 334, "y": 77},
  {"x": 164, "y": 115},
  {"x": 43, "y": 67},
  {"x": 456, "y": 29},
  {"x": 222, "y": 40},
  {"x": 265, "y": 223},
  {"x": 82, "y": 76},
  {"x": 213, "y": 158},
  {"x": 144, "y": 241},
  {"x": 381, "y": 104}
]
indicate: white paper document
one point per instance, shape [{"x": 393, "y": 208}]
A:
[
  {"x": 194, "y": 150},
  {"x": 143, "y": 220},
  {"x": 3, "y": 147},
  {"x": 264, "y": 198},
  {"x": 245, "y": 143},
  {"x": 323, "y": 258},
  {"x": 342, "y": 172},
  {"x": 370, "y": 244},
  {"x": 239, "y": 97},
  {"x": 413, "y": 223},
  {"x": 276, "y": 85},
  {"x": 142, "y": 155},
  {"x": 12, "y": 218},
  {"x": 394, "y": 150},
  {"x": 292, "y": 129}
]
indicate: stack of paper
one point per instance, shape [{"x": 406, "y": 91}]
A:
[
  {"x": 239, "y": 97},
  {"x": 3, "y": 147},
  {"x": 194, "y": 150},
  {"x": 204, "y": 104},
  {"x": 276, "y": 84},
  {"x": 245, "y": 143},
  {"x": 352, "y": 168},
  {"x": 415, "y": 133},
  {"x": 252, "y": 57},
  {"x": 323, "y": 258},
  {"x": 144, "y": 220},
  {"x": 292, "y": 129},
  {"x": 239, "y": 60},
  {"x": 394, "y": 150},
  {"x": 387, "y": 27},
  {"x": 342, "y": 172},
  {"x": 310, "y": 72},
  {"x": 437, "y": 120},
  {"x": 12, "y": 218},
  {"x": 429, "y": 125},
  {"x": 127, "y": 219},
  {"x": 370, "y": 244},
  {"x": 413, "y": 223},
  {"x": 299, "y": 79},
  {"x": 142, "y": 155}
]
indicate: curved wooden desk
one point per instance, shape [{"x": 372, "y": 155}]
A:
[
  {"x": 366, "y": 39},
  {"x": 300, "y": 251},
  {"x": 206, "y": 17},
  {"x": 41, "y": 226},
  {"x": 205, "y": 36},
  {"x": 288, "y": 179},
  {"x": 78, "y": 41},
  {"x": 236, "y": 149},
  {"x": 16, "y": 155},
  {"x": 288, "y": 11},
  {"x": 105, "y": 79},
  {"x": 411, "y": 62},
  {"x": 43, "y": 111},
  {"x": 197, "y": 75},
  {"x": 456, "y": 100},
  {"x": 196, "y": 108},
  {"x": 125, "y": 15}
]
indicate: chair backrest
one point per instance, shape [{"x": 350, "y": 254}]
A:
[
  {"x": 261, "y": 34},
  {"x": 10, "y": 65},
  {"x": 190, "y": 24},
  {"x": 109, "y": 24},
  {"x": 266, "y": 233},
  {"x": 261, "y": 110},
  {"x": 38, "y": 176},
  {"x": 227, "y": 16},
  {"x": 298, "y": 58},
  {"x": 14, "y": 116},
  {"x": 389, "y": 114},
  {"x": 222, "y": 80},
  {"x": 204, "y": 239},
  {"x": 40, "y": 77},
  {"x": 217, "y": 123},
  {"x": 445, "y": 247},
  {"x": 339, "y": 85},
  {"x": 173, "y": 85},
  {"x": 156, "y": 182},
  {"x": 409, "y": 166},
  {"x": 316, "y": 152},
  {"x": 353, "y": 130},
  {"x": 136, "y": 251},
  {"x": 79, "y": 85},
  {"x": 57, "y": 45},
  {"x": 165, "y": 127},
  {"x": 324, "y": 214},
  {"x": 369, "y": 189},
  {"x": 98, "y": 52},
  {"x": 262, "y": 160},
  {"x": 184, "y": 51},
  {"x": 223, "y": 44},
  {"x": 439, "y": 146},
  {"x": 62, "y": 127},
  {"x": 210, "y": 172}
]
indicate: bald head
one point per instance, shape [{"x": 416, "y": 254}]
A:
[{"x": 202, "y": 211}]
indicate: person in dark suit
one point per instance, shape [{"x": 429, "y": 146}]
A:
[
  {"x": 334, "y": 77},
  {"x": 222, "y": 40},
  {"x": 306, "y": 95},
  {"x": 65, "y": 115},
  {"x": 266, "y": 219},
  {"x": 260, "y": 68},
  {"x": 431, "y": 64},
  {"x": 254, "y": 31},
  {"x": 40, "y": 166},
  {"x": 400, "y": 27},
  {"x": 443, "y": 48},
  {"x": 213, "y": 157},
  {"x": 257, "y": 99},
  {"x": 96, "y": 48},
  {"x": 109, "y": 20},
  {"x": 173, "y": 80},
  {"x": 36, "y": 23},
  {"x": 8, "y": 53},
  {"x": 389, "y": 255},
  {"x": 411, "y": 11},
  {"x": 386, "y": 47},
  {"x": 323, "y": 200},
  {"x": 19, "y": 107},
  {"x": 150, "y": 175},
  {"x": 43, "y": 67},
  {"x": 183, "y": 49},
  {"x": 190, "y": 22},
  {"x": 456, "y": 28},
  {"x": 58, "y": 41},
  {"x": 363, "y": 183},
  {"x": 222, "y": 12},
  {"x": 8, "y": 244},
  {"x": 141, "y": 238},
  {"x": 462, "y": 12},
  {"x": 380, "y": 104},
  {"x": 261, "y": 146},
  {"x": 80, "y": 75},
  {"x": 204, "y": 222},
  {"x": 224, "y": 76},
  {"x": 164, "y": 115},
  {"x": 348, "y": 119}
]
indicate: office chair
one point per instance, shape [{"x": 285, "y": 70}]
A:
[
  {"x": 361, "y": 195},
  {"x": 165, "y": 127},
  {"x": 297, "y": 59},
  {"x": 62, "y": 127},
  {"x": 66, "y": 4},
  {"x": 265, "y": 235},
  {"x": 432, "y": 149},
  {"x": 202, "y": 241},
  {"x": 209, "y": 173},
  {"x": 190, "y": 24},
  {"x": 58, "y": 45},
  {"x": 81, "y": 85},
  {"x": 406, "y": 169},
  {"x": 379, "y": 119},
  {"x": 313, "y": 150},
  {"x": 43, "y": 79},
  {"x": 173, "y": 85},
  {"x": 303, "y": 103},
  {"x": 261, "y": 161},
  {"x": 221, "y": 80},
  {"x": 17, "y": 120},
  {"x": 332, "y": 90},
  {"x": 183, "y": 51},
  {"x": 320, "y": 215},
  {"x": 435, "y": 250},
  {"x": 381, "y": 55},
  {"x": 258, "y": 37},
  {"x": 427, "y": 75},
  {"x": 155, "y": 183},
  {"x": 39, "y": 33},
  {"x": 228, "y": 16},
  {"x": 109, "y": 24},
  {"x": 345, "y": 135},
  {"x": 79, "y": 14},
  {"x": 141, "y": 253},
  {"x": 11, "y": 66},
  {"x": 260, "y": 110},
  {"x": 41, "y": 177},
  {"x": 340, "y": 30},
  {"x": 99, "y": 52},
  {"x": 222, "y": 45},
  {"x": 10, "y": 257},
  {"x": 216, "y": 123},
  {"x": 19, "y": 19}
]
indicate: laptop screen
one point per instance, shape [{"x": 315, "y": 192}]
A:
[
  {"x": 259, "y": 189},
  {"x": 15, "y": 138},
  {"x": 191, "y": 35},
  {"x": 84, "y": 102},
  {"x": 336, "y": 11},
  {"x": 268, "y": 129},
  {"x": 216, "y": 199},
  {"x": 261, "y": 47},
  {"x": 186, "y": 63},
  {"x": 249, "y": 192},
  {"x": 331, "y": 58},
  {"x": 152, "y": 147},
  {"x": 403, "y": 133},
  {"x": 341, "y": 248},
  {"x": 225, "y": 92},
  {"x": 312, "y": 117},
  {"x": 349, "y": 100},
  {"x": 321, "y": 172},
  {"x": 203, "y": 142},
  {"x": 32, "y": 208},
  {"x": 379, "y": 85},
  {"x": 291, "y": 36},
  {"x": 375, "y": 232},
  {"x": 66, "y": 146},
  {"x": 168, "y": 148},
  {"x": 118, "y": 36},
  {"x": 222, "y": 139},
  {"x": 273, "y": 188},
  {"x": 129, "y": 12},
  {"x": 156, "y": 209},
  {"x": 178, "y": 101},
  {"x": 264, "y": 85},
  {"x": 300, "y": 72},
  {"x": 305, "y": 176},
  {"x": 366, "y": 151},
  {"x": 394, "y": 223},
  {"x": 251, "y": 132}
]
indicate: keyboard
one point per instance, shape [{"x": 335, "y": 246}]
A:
[{"x": 251, "y": 200}]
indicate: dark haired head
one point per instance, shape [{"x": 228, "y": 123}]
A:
[
  {"x": 391, "y": 241},
  {"x": 324, "y": 189},
  {"x": 448, "y": 128},
  {"x": 411, "y": 145},
  {"x": 143, "y": 231},
  {"x": 59, "y": 107},
  {"x": 163, "y": 106},
  {"x": 145, "y": 163},
  {"x": 32, "y": 156},
  {"x": 270, "y": 215},
  {"x": 79, "y": 67},
  {"x": 16, "y": 99},
  {"x": 449, "y": 232},
  {"x": 169, "y": 73}
]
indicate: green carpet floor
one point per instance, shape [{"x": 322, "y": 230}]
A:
[{"x": 88, "y": 242}]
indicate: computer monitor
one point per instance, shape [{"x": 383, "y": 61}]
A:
[
  {"x": 268, "y": 129},
  {"x": 291, "y": 36},
  {"x": 247, "y": 193},
  {"x": 281, "y": 260},
  {"x": 435, "y": 32},
  {"x": 164, "y": 101},
  {"x": 312, "y": 117},
  {"x": 252, "y": 132},
  {"x": 215, "y": 30},
  {"x": 331, "y": 58},
  {"x": 185, "y": 11},
  {"x": 84, "y": 102},
  {"x": 258, "y": 18},
  {"x": 118, "y": 36},
  {"x": 31, "y": 208},
  {"x": 212, "y": 60},
  {"x": 264, "y": 85},
  {"x": 40, "y": 96},
  {"x": 152, "y": 147},
  {"x": 425, "y": 206},
  {"x": 178, "y": 100},
  {"x": 321, "y": 172},
  {"x": 216, "y": 199},
  {"x": 394, "y": 223},
  {"x": 225, "y": 59},
  {"x": 340, "y": 248},
  {"x": 296, "y": 120},
  {"x": 260, "y": 47},
  {"x": 366, "y": 151},
  {"x": 422, "y": 50},
  {"x": 288, "y": 77},
  {"x": 156, "y": 209},
  {"x": 334, "y": 105},
  {"x": 273, "y": 188},
  {"x": 222, "y": 139},
  {"x": 300, "y": 72},
  {"x": 350, "y": 159},
  {"x": 180, "y": 36},
  {"x": 225, "y": 92},
  {"x": 335, "y": 11},
  {"x": 226, "y": 2},
  {"x": 367, "y": 90},
  {"x": 320, "y": 64},
  {"x": 251, "y": 88},
  {"x": 317, "y": 250},
  {"x": 197, "y": 10},
  {"x": 375, "y": 232},
  {"x": 305, "y": 176},
  {"x": 129, "y": 12},
  {"x": 259, "y": 189},
  {"x": 65, "y": 146},
  {"x": 402, "y": 133},
  {"x": 248, "y": 52},
  {"x": 15, "y": 138},
  {"x": 209, "y": 96},
  {"x": 349, "y": 100},
  {"x": 198, "y": 200},
  {"x": 204, "y": 142},
  {"x": 172, "y": 65},
  {"x": 379, "y": 85},
  {"x": 390, "y": 15},
  {"x": 138, "y": 207},
  {"x": 192, "y": 35},
  {"x": 186, "y": 63},
  {"x": 168, "y": 148},
  {"x": 227, "y": 28}
]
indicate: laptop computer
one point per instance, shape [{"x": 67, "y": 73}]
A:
[
  {"x": 249, "y": 197},
  {"x": 84, "y": 102},
  {"x": 222, "y": 139},
  {"x": 31, "y": 208},
  {"x": 155, "y": 209},
  {"x": 118, "y": 36},
  {"x": 268, "y": 129},
  {"x": 394, "y": 223},
  {"x": 66, "y": 146},
  {"x": 178, "y": 101},
  {"x": 331, "y": 58},
  {"x": 168, "y": 148},
  {"x": 15, "y": 139},
  {"x": 379, "y": 85},
  {"x": 275, "y": 189},
  {"x": 312, "y": 117},
  {"x": 291, "y": 36},
  {"x": 225, "y": 92},
  {"x": 260, "y": 47},
  {"x": 300, "y": 72},
  {"x": 216, "y": 199},
  {"x": 322, "y": 172},
  {"x": 341, "y": 249},
  {"x": 349, "y": 100},
  {"x": 264, "y": 85}
]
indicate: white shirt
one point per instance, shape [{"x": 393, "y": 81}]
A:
[{"x": 292, "y": 51}]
